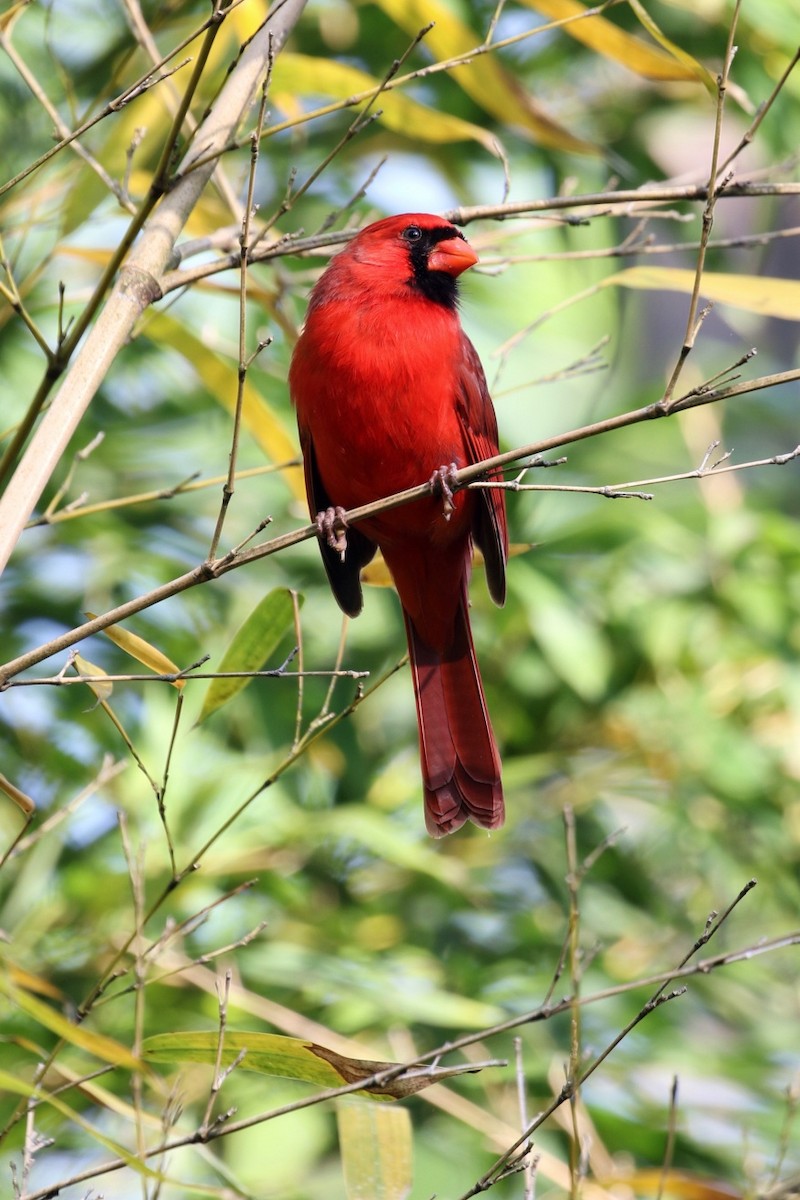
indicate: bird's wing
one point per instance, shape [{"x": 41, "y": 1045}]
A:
[
  {"x": 344, "y": 574},
  {"x": 477, "y": 416}
]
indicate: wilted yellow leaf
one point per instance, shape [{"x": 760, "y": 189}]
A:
[
  {"x": 142, "y": 651},
  {"x": 303, "y": 74},
  {"x": 219, "y": 377},
  {"x": 763, "y": 294},
  {"x": 602, "y": 35},
  {"x": 84, "y": 667},
  {"x": 484, "y": 79}
]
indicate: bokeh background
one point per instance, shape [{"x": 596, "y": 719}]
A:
[{"x": 643, "y": 675}]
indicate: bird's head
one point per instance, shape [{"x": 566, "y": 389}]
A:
[{"x": 418, "y": 251}]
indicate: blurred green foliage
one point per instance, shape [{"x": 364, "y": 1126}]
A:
[{"x": 643, "y": 674}]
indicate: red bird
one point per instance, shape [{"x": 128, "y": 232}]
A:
[{"x": 390, "y": 392}]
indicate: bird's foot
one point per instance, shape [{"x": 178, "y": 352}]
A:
[
  {"x": 332, "y": 528},
  {"x": 442, "y": 483}
]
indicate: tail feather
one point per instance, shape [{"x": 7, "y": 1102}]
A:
[{"x": 460, "y": 762}]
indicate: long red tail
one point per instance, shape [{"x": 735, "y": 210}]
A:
[{"x": 460, "y": 762}]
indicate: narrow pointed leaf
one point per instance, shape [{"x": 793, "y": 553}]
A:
[
  {"x": 84, "y": 667},
  {"x": 142, "y": 651},
  {"x": 763, "y": 294},
  {"x": 702, "y": 73},
  {"x": 251, "y": 646},
  {"x": 484, "y": 79},
  {"x": 102, "y": 1047},
  {"x": 602, "y": 35},
  {"x": 290, "y": 1058},
  {"x": 219, "y": 378},
  {"x": 11, "y": 1083},
  {"x": 303, "y": 74}
]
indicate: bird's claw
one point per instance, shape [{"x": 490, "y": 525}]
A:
[
  {"x": 331, "y": 526},
  {"x": 442, "y": 483}
]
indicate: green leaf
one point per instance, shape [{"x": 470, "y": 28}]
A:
[
  {"x": 375, "y": 1141},
  {"x": 571, "y": 643},
  {"x": 18, "y": 1087},
  {"x": 251, "y": 646},
  {"x": 104, "y": 1048},
  {"x": 290, "y": 1058}
]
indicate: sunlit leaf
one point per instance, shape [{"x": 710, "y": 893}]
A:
[
  {"x": 762, "y": 294},
  {"x": 251, "y": 646},
  {"x": 84, "y": 667},
  {"x": 677, "y": 1183},
  {"x": 602, "y": 35},
  {"x": 145, "y": 653},
  {"x": 18, "y": 1087},
  {"x": 700, "y": 72},
  {"x": 290, "y": 1058},
  {"x": 102, "y": 1047},
  {"x": 306, "y": 75},
  {"x": 485, "y": 80},
  {"x": 219, "y": 378},
  {"x": 375, "y": 1143}
]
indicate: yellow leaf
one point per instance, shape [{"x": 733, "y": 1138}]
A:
[
  {"x": 762, "y": 294},
  {"x": 102, "y": 1047},
  {"x": 676, "y": 1183},
  {"x": 142, "y": 651},
  {"x": 84, "y": 667},
  {"x": 19, "y": 1087},
  {"x": 375, "y": 1142},
  {"x": 376, "y": 573},
  {"x": 602, "y": 35},
  {"x": 219, "y": 377},
  {"x": 701, "y": 72},
  {"x": 304, "y": 74},
  {"x": 484, "y": 79}
]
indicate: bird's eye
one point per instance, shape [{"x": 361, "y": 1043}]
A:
[{"x": 413, "y": 233}]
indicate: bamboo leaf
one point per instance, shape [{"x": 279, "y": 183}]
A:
[
  {"x": 303, "y": 74},
  {"x": 375, "y": 1141},
  {"x": 762, "y": 294},
  {"x": 11, "y": 1083},
  {"x": 143, "y": 651},
  {"x": 290, "y": 1058},
  {"x": 102, "y": 1047},
  {"x": 602, "y": 35},
  {"x": 219, "y": 378},
  {"x": 250, "y": 647},
  {"x": 701, "y": 73},
  {"x": 484, "y": 79},
  {"x": 84, "y": 667}
]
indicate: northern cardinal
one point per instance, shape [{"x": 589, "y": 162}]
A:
[{"x": 389, "y": 393}]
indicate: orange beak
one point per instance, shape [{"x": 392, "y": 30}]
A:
[{"x": 452, "y": 256}]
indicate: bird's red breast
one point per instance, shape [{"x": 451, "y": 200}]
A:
[{"x": 388, "y": 389}]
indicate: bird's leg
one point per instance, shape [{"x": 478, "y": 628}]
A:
[
  {"x": 442, "y": 483},
  {"x": 332, "y": 528}
]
